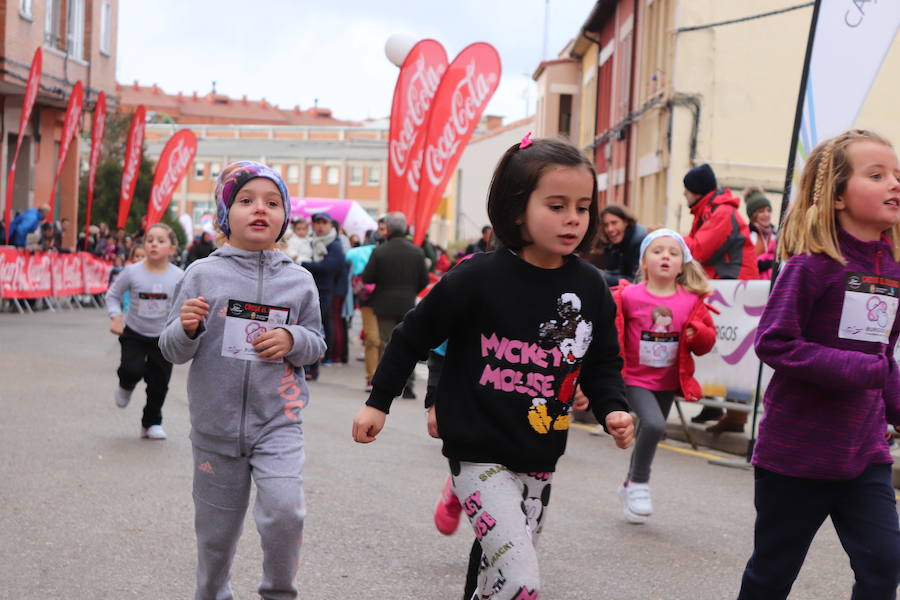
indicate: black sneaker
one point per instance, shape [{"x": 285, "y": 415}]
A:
[
  {"x": 709, "y": 413},
  {"x": 408, "y": 394}
]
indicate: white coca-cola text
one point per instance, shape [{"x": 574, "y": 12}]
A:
[
  {"x": 466, "y": 105},
  {"x": 181, "y": 156},
  {"x": 423, "y": 84}
]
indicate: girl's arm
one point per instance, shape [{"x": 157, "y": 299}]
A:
[
  {"x": 705, "y": 333},
  {"x": 115, "y": 293},
  {"x": 892, "y": 394},
  {"x": 781, "y": 345},
  {"x": 308, "y": 344},
  {"x": 601, "y": 371},
  {"x": 174, "y": 343}
]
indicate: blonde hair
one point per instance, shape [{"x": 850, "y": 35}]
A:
[
  {"x": 172, "y": 237},
  {"x": 692, "y": 277},
  {"x": 811, "y": 224}
]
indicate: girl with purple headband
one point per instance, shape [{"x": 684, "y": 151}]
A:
[{"x": 248, "y": 319}]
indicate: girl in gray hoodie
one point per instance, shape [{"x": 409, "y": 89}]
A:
[{"x": 248, "y": 318}]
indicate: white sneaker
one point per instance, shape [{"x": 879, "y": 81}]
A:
[
  {"x": 636, "y": 502},
  {"x": 123, "y": 397},
  {"x": 154, "y": 432}
]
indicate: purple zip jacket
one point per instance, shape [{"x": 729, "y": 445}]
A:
[{"x": 830, "y": 399}]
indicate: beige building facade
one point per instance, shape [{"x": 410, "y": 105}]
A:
[{"x": 666, "y": 85}]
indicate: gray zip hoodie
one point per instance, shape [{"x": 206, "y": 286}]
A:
[{"x": 233, "y": 402}]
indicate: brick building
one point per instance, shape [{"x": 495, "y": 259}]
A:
[{"x": 78, "y": 41}]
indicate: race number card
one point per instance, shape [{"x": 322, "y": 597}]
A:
[
  {"x": 870, "y": 305},
  {"x": 658, "y": 348},
  {"x": 152, "y": 305},
  {"x": 246, "y": 321}
]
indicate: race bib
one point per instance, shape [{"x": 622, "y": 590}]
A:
[
  {"x": 870, "y": 306},
  {"x": 658, "y": 348},
  {"x": 152, "y": 305},
  {"x": 246, "y": 321}
]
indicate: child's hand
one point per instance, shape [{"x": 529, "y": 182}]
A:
[
  {"x": 580, "y": 402},
  {"x": 689, "y": 332},
  {"x": 621, "y": 426},
  {"x": 193, "y": 311},
  {"x": 432, "y": 423},
  {"x": 367, "y": 424},
  {"x": 274, "y": 344},
  {"x": 117, "y": 325}
]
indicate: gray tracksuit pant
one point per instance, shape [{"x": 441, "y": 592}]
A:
[{"x": 221, "y": 498}]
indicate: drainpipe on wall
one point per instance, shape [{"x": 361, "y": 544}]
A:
[
  {"x": 629, "y": 189},
  {"x": 585, "y": 35}
]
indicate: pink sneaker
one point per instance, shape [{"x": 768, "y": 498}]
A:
[{"x": 447, "y": 510}]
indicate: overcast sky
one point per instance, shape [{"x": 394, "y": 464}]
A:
[{"x": 295, "y": 51}]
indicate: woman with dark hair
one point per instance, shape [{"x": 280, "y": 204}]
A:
[{"x": 620, "y": 238}]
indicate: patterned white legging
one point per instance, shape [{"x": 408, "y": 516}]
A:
[{"x": 507, "y": 512}]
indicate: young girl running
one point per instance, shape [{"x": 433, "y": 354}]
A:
[
  {"x": 661, "y": 321},
  {"x": 248, "y": 317},
  {"x": 829, "y": 331},
  {"x": 150, "y": 287},
  {"x": 525, "y": 324}
]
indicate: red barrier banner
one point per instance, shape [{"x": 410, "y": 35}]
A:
[
  {"x": 416, "y": 86},
  {"x": 96, "y": 273},
  {"x": 461, "y": 98},
  {"x": 132, "y": 165},
  {"x": 176, "y": 158},
  {"x": 68, "y": 274},
  {"x": 96, "y": 139},
  {"x": 25, "y": 274},
  {"x": 31, "y": 90},
  {"x": 70, "y": 124}
]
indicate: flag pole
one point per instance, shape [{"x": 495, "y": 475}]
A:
[{"x": 785, "y": 200}]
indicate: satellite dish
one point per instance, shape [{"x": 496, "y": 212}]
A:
[{"x": 398, "y": 46}]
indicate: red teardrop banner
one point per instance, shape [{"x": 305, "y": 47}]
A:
[
  {"x": 176, "y": 158},
  {"x": 133, "y": 149},
  {"x": 417, "y": 83},
  {"x": 70, "y": 124},
  {"x": 461, "y": 98},
  {"x": 31, "y": 90},
  {"x": 96, "y": 140}
]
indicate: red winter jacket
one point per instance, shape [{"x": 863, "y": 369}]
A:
[
  {"x": 702, "y": 342},
  {"x": 720, "y": 239}
]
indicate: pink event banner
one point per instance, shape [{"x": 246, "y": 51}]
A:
[
  {"x": 416, "y": 86},
  {"x": 465, "y": 89}
]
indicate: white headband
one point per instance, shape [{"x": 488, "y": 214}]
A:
[{"x": 667, "y": 233}]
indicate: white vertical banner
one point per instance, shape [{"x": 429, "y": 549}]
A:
[{"x": 852, "y": 38}]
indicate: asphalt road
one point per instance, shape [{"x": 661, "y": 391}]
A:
[{"x": 88, "y": 510}]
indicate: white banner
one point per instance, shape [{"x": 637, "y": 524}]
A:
[
  {"x": 852, "y": 39},
  {"x": 730, "y": 370}
]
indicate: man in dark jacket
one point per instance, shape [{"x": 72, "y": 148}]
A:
[
  {"x": 720, "y": 241},
  {"x": 397, "y": 268},
  {"x": 326, "y": 267}
]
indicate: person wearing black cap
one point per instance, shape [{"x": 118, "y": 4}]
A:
[{"x": 720, "y": 241}]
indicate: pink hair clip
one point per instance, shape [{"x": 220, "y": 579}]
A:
[{"x": 526, "y": 141}]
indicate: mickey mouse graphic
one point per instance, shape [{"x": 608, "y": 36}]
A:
[{"x": 571, "y": 334}]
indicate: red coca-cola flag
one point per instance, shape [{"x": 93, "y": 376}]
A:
[
  {"x": 31, "y": 90},
  {"x": 173, "y": 163},
  {"x": 133, "y": 149},
  {"x": 70, "y": 124},
  {"x": 465, "y": 89},
  {"x": 417, "y": 83},
  {"x": 96, "y": 140}
]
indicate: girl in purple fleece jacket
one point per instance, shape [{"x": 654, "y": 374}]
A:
[{"x": 829, "y": 331}]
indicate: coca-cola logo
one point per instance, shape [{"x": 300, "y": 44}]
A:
[
  {"x": 11, "y": 270},
  {"x": 466, "y": 105},
  {"x": 132, "y": 161},
  {"x": 423, "y": 84},
  {"x": 176, "y": 165},
  {"x": 97, "y": 135},
  {"x": 38, "y": 272}
]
